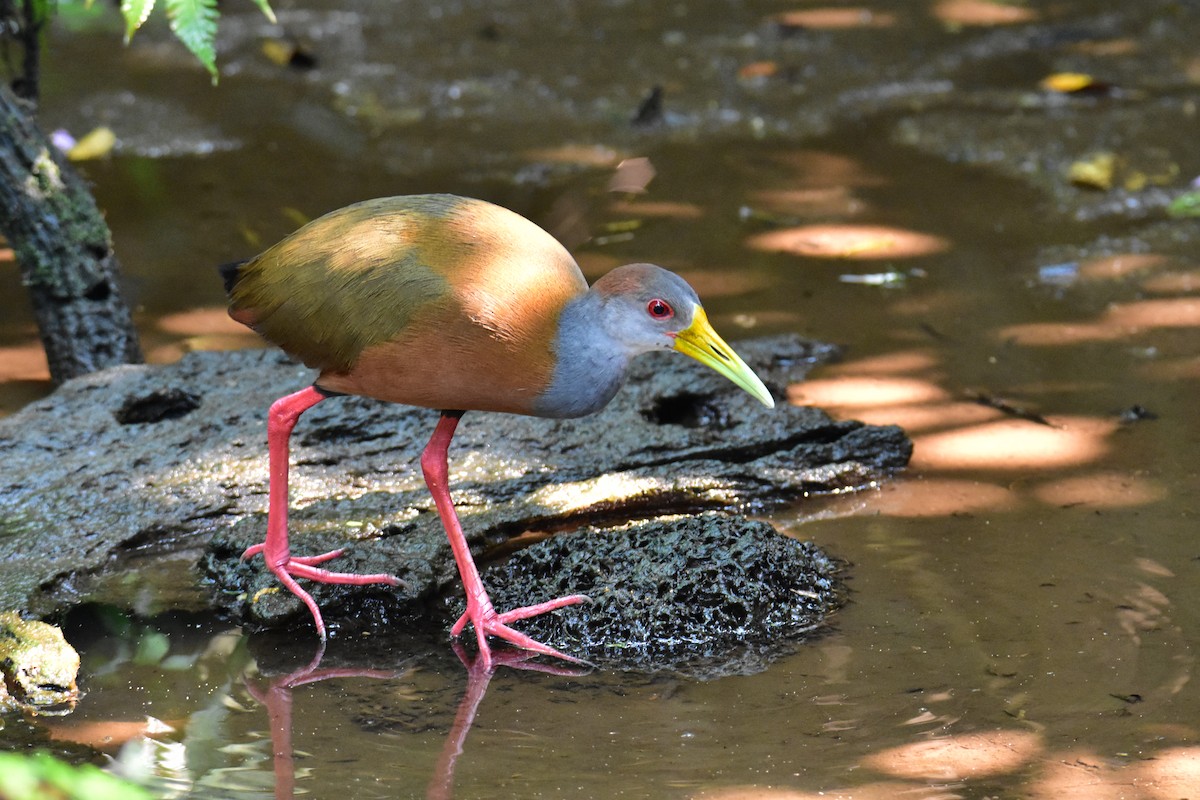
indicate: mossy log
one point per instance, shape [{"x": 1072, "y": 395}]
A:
[{"x": 64, "y": 249}]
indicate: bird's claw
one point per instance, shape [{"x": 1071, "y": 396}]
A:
[
  {"x": 305, "y": 567},
  {"x": 255, "y": 549},
  {"x": 487, "y": 622},
  {"x": 288, "y": 568}
]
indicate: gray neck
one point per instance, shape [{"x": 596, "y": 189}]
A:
[{"x": 590, "y": 365}]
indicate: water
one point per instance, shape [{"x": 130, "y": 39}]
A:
[{"x": 1023, "y": 618}]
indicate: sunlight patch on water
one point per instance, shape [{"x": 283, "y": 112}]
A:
[
  {"x": 941, "y": 497},
  {"x": 824, "y": 19},
  {"x": 25, "y": 362},
  {"x": 886, "y": 790},
  {"x": 204, "y": 328},
  {"x": 967, "y": 435},
  {"x": 1121, "y": 266},
  {"x": 1084, "y": 775},
  {"x": 808, "y": 202},
  {"x": 1118, "y": 321},
  {"x": 970, "y": 755},
  {"x": 866, "y": 392},
  {"x": 1015, "y": 444},
  {"x": 662, "y": 209},
  {"x": 982, "y": 12},
  {"x": 583, "y": 155},
  {"x": 108, "y": 735},
  {"x": 1102, "y": 489},
  {"x": 851, "y": 242},
  {"x": 1182, "y": 282}
]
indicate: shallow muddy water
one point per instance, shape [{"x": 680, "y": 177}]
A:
[{"x": 1025, "y": 599}]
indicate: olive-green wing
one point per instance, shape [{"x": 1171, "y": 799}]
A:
[{"x": 348, "y": 280}]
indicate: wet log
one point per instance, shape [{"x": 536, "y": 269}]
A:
[
  {"x": 64, "y": 248},
  {"x": 139, "y": 470}
]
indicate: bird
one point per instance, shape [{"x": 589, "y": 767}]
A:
[{"x": 452, "y": 304}]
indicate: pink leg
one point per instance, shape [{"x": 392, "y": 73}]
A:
[
  {"x": 280, "y": 422},
  {"x": 480, "y": 613}
]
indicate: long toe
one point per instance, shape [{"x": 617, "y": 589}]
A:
[
  {"x": 525, "y": 612},
  {"x": 494, "y": 627},
  {"x": 321, "y": 559},
  {"x": 290, "y": 584},
  {"x": 487, "y": 623},
  {"x": 300, "y": 569}
]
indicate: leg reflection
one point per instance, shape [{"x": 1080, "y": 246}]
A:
[
  {"x": 276, "y": 697},
  {"x": 479, "y": 674}
]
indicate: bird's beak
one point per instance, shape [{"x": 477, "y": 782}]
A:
[{"x": 702, "y": 343}]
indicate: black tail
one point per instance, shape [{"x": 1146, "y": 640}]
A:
[{"x": 229, "y": 272}]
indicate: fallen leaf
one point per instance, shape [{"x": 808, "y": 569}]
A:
[
  {"x": 1094, "y": 171},
  {"x": 98, "y": 143}
]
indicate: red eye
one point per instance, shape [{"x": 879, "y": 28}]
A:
[{"x": 660, "y": 309}]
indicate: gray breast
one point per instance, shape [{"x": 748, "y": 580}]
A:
[{"x": 590, "y": 366}]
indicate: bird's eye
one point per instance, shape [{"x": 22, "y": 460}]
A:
[{"x": 660, "y": 309}]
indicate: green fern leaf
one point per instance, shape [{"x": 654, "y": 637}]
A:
[
  {"x": 265, "y": 8},
  {"x": 135, "y": 12},
  {"x": 194, "y": 22}
]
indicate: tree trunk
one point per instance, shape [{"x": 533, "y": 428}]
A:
[{"x": 64, "y": 248}]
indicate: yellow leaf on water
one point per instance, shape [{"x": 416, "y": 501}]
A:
[
  {"x": 1066, "y": 82},
  {"x": 277, "y": 52},
  {"x": 96, "y": 144},
  {"x": 1094, "y": 171},
  {"x": 288, "y": 53}
]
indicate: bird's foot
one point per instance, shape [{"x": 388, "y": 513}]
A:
[
  {"x": 488, "y": 622},
  {"x": 305, "y": 567},
  {"x": 287, "y": 569}
]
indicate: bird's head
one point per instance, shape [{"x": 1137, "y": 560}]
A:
[{"x": 648, "y": 308}]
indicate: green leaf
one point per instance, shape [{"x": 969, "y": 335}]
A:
[
  {"x": 1185, "y": 205},
  {"x": 152, "y": 647},
  {"x": 39, "y": 11},
  {"x": 84, "y": 17},
  {"x": 135, "y": 12},
  {"x": 40, "y": 775},
  {"x": 265, "y": 8},
  {"x": 194, "y": 22}
]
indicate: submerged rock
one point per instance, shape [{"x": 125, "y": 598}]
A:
[
  {"x": 37, "y": 665},
  {"x": 110, "y": 480},
  {"x": 708, "y": 595}
]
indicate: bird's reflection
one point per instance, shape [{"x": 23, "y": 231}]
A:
[
  {"x": 479, "y": 674},
  {"x": 276, "y": 696}
]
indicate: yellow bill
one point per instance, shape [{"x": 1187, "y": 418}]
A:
[{"x": 702, "y": 343}]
